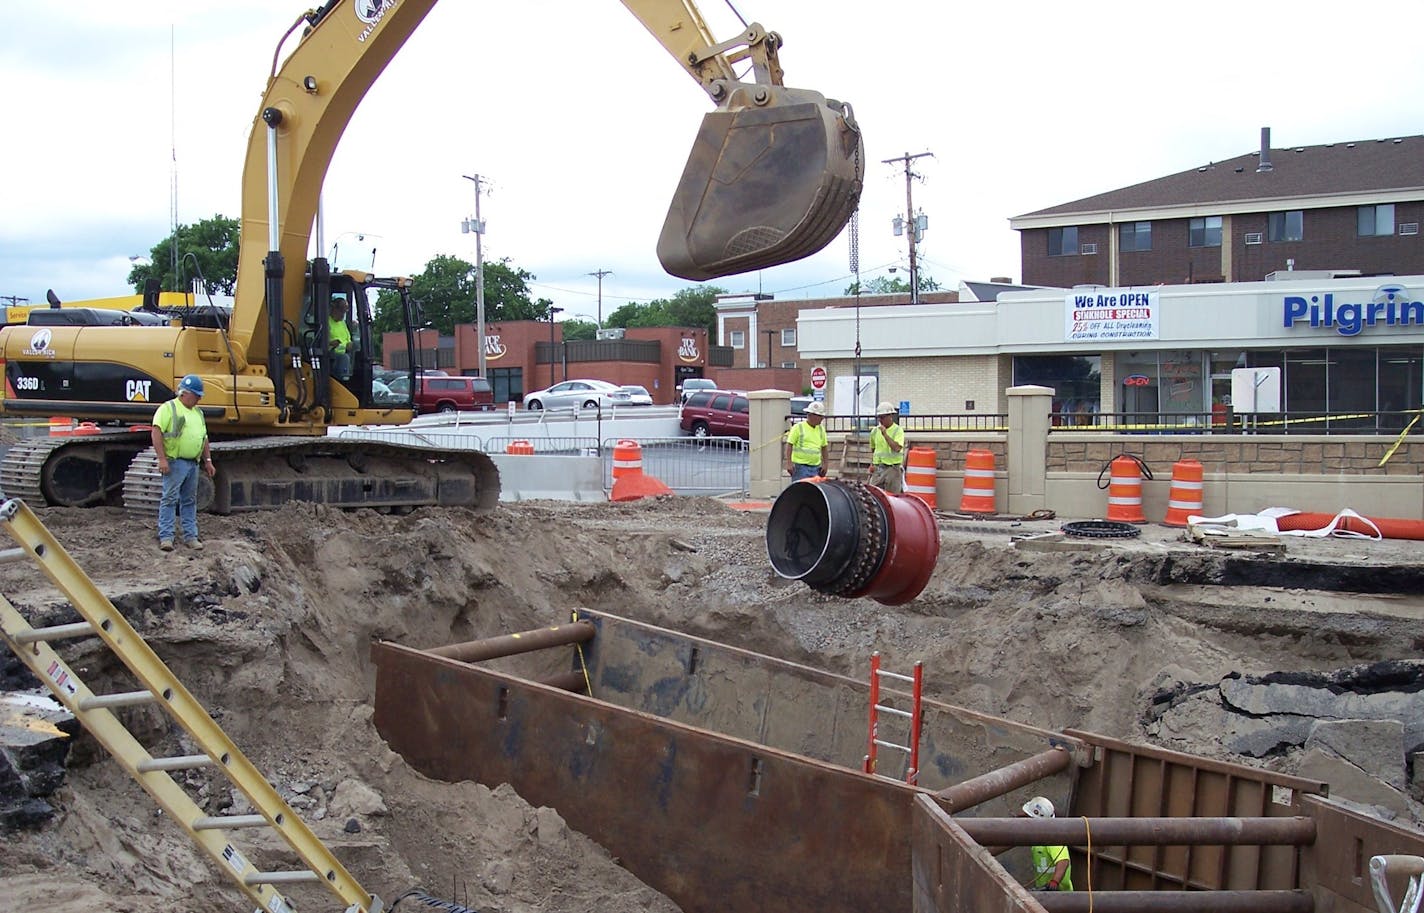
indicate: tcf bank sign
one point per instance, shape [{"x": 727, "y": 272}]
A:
[{"x": 1110, "y": 315}]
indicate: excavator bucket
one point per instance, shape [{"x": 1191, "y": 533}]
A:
[{"x": 774, "y": 176}]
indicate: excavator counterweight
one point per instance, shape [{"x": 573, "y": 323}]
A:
[{"x": 773, "y": 176}]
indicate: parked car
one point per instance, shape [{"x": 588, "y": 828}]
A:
[
  {"x": 443, "y": 393},
  {"x": 639, "y": 395},
  {"x": 691, "y": 385},
  {"x": 716, "y": 413},
  {"x": 580, "y": 394},
  {"x": 799, "y": 404}
]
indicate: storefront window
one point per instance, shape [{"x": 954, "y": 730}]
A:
[
  {"x": 1075, "y": 380},
  {"x": 1401, "y": 378},
  {"x": 1305, "y": 383}
]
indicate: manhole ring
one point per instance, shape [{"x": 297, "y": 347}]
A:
[{"x": 1101, "y": 529}]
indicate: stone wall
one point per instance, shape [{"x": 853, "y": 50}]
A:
[{"x": 1281, "y": 455}]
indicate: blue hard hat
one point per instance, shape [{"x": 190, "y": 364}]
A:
[{"x": 191, "y": 383}]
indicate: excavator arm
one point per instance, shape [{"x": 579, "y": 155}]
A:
[{"x": 774, "y": 174}]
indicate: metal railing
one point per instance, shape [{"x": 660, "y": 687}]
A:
[
  {"x": 980, "y": 422},
  {"x": 1230, "y": 423},
  {"x": 714, "y": 465}
]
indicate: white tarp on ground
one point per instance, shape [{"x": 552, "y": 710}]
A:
[{"x": 1265, "y": 521}]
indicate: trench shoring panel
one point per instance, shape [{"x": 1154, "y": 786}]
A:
[
  {"x": 716, "y": 823},
  {"x": 953, "y": 874},
  {"x": 1337, "y": 868},
  {"x": 1130, "y": 780},
  {"x": 799, "y": 709}
]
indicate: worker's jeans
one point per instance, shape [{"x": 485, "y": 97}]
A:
[
  {"x": 180, "y": 496},
  {"x": 801, "y": 471}
]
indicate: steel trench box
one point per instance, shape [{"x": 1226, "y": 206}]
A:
[{"x": 716, "y": 823}]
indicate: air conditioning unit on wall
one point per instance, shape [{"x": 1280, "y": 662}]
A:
[
  {"x": 1254, "y": 237},
  {"x": 1087, "y": 249}
]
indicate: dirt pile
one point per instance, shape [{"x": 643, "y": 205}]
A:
[{"x": 269, "y": 627}]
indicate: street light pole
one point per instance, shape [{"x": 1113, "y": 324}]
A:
[
  {"x": 600, "y": 274},
  {"x": 479, "y": 230},
  {"x": 552, "y": 311}
]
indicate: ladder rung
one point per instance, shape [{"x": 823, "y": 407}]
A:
[
  {"x": 179, "y": 762},
  {"x": 301, "y": 877},
  {"x": 895, "y": 675},
  {"x": 122, "y": 699},
  {"x": 54, "y": 632},
  {"x": 12, "y": 554},
  {"x": 227, "y": 822},
  {"x": 904, "y": 748},
  {"x": 883, "y": 709},
  {"x": 891, "y": 779}
]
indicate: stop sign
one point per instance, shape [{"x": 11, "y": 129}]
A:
[{"x": 818, "y": 378}]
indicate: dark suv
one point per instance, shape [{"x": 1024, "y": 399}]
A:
[
  {"x": 435, "y": 393},
  {"x": 716, "y": 413}
]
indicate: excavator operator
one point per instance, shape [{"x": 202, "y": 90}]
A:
[{"x": 338, "y": 337}]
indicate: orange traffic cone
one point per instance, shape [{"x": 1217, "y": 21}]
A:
[
  {"x": 920, "y": 475},
  {"x": 1125, "y": 489},
  {"x": 978, "y": 497},
  {"x": 1184, "y": 499}
]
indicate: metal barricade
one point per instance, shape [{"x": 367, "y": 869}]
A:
[{"x": 694, "y": 466}]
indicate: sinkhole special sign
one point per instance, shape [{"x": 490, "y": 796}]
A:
[{"x": 1110, "y": 315}]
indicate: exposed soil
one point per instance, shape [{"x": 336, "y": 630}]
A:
[{"x": 269, "y": 627}]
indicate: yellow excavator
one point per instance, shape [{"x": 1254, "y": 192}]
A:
[{"x": 774, "y": 175}]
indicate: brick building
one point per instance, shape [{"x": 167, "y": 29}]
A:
[
  {"x": 522, "y": 356},
  {"x": 1344, "y": 207}
]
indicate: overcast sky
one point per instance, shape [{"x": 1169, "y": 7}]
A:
[{"x": 582, "y": 123}]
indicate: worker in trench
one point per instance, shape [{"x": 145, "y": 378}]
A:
[{"x": 1052, "y": 870}]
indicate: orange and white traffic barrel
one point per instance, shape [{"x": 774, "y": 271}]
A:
[
  {"x": 627, "y": 459},
  {"x": 920, "y": 474},
  {"x": 519, "y": 447},
  {"x": 1125, "y": 490},
  {"x": 978, "y": 497},
  {"x": 1184, "y": 498}
]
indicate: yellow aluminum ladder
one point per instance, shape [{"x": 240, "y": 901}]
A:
[{"x": 212, "y": 834}]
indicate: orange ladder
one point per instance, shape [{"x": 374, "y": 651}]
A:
[{"x": 912, "y": 772}]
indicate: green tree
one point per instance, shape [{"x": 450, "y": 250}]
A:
[
  {"x": 211, "y": 242},
  {"x": 446, "y": 292},
  {"x": 885, "y": 285},
  {"x": 689, "y": 307},
  {"x": 578, "y": 328}
]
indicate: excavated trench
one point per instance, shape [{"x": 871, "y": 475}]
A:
[{"x": 270, "y": 627}]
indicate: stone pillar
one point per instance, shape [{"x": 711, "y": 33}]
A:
[
  {"x": 1027, "y": 446},
  {"x": 767, "y": 427}
]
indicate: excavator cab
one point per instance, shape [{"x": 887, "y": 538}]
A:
[{"x": 774, "y": 175}]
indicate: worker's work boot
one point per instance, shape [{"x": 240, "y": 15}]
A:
[
  {"x": 166, "y": 545},
  {"x": 193, "y": 543}
]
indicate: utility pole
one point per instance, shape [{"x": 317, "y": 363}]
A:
[
  {"x": 477, "y": 225},
  {"x": 600, "y": 274},
  {"x": 912, "y": 225},
  {"x": 14, "y": 299}
]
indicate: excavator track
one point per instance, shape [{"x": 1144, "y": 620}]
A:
[
  {"x": 265, "y": 473},
  {"x": 70, "y": 471}
]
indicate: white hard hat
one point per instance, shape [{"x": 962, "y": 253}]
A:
[
  {"x": 886, "y": 409},
  {"x": 1038, "y": 807},
  {"x": 815, "y": 409}
]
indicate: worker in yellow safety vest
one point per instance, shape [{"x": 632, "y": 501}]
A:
[
  {"x": 1052, "y": 870},
  {"x": 180, "y": 443},
  {"x": 338, "y": 337},
  {"x": 807, "y": 450},
  {"x": 887, "y": 443}
]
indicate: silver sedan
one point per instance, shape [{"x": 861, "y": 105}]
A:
[{"x": 578, "y": 394}]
